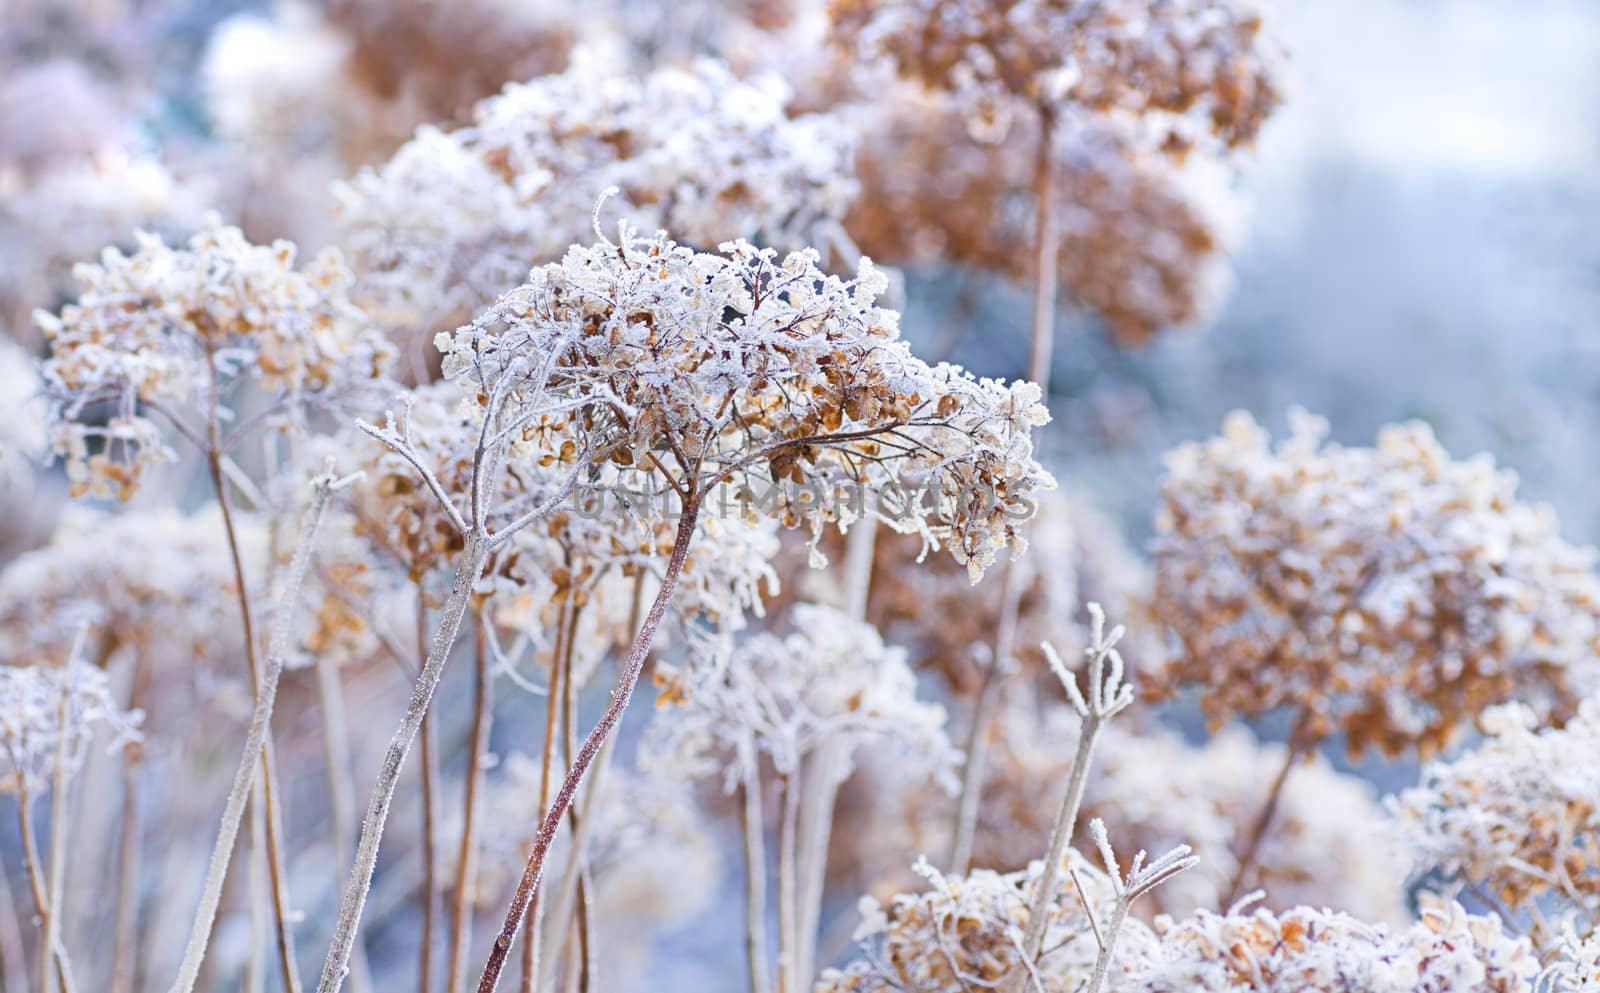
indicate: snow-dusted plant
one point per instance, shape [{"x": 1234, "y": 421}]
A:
[
  {"x": 1515, "y": 822},
  {"x": 166, "y": 338},
  {"x": 52, "y": 712},
  {"x": 456, "y": 218},
  {"x": 1302, "y": 950},
  {"x": 682, "y": 373},
  {"x": 1389, "y": 593},
  {"x": 805, "y": 704}
]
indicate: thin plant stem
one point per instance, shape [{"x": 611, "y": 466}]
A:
[
  {"x": 786, "y": 884},
  {"x": 1294, "y": 750},
  {"x": 468, "y": 571},
  {"x": 430, "y": 759},
  {"x": 36, "y": 884},
  {"x": 620, "y": 695},
  {"x": 341, "y": 790},
  {"x": 215, "y": 451},
  {"x": 13, "y": 963},
  {"x": 821, "y": 790},
  {"x": 255, "y": 963},
  {"x": 124, "y": 944},
  {"x": 569, "y": 734},
  {"x": 255, "y": 740},
  {"x": 755, "y": 878},
  {"x": 1102, "y": 962},
  {"x": 467, "y": 852},
  {"x": 983, "y": 714},
  {"x": 1047, "y": 239},
  {"x": 534, "y": 918},
  {"x": 567, "y": 889},
  {"x": 1060, "y": 837},
  {"x": 58, "y": 853}
]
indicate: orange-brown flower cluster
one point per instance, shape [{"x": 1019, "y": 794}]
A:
[{"x": 1388, "y": 593}]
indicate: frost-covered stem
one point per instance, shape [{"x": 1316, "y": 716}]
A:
[
  {"x": 786, "y": 883},
  {"x": 858, "y": 562},
  {"x": 822, "y": 780},
  {"x": 534, "y": 919},
  {"x": 123, "y": 943},
  {"x": 255, "y": 742},
  {"x": 36, "y": 882},
  {"x": 467, "y": 852},
  {"x": 1102, "y": 962},
  {"x": 578, "y": 866},
  {"x": 1060, "y": 837},
  {"x": 468, "y": 571},
  {"x": 12, "y": 963},
  {"x": 255, "y": 963},
  {"x": 1294, "y": 750},
  {"x": 58, "y": 853},
  {"x": 755, "y": 878},
  {"x": 620, "y": 695},
  {"x": 1047, "y": 241},
  {"x": 567, "y": 890},
  {"x": 983, "y": 714},
  {"x": 430, "y": 889},
  {"x": 341, "y": 790}
]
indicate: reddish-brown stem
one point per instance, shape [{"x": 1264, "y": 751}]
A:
[
  {"x": 1295, "y": 749},
  {"x": 1047, "y": 241},
  {"x": 466, "y": 853},
  {"x": 569, "y": 736},
  {"x": 552, "y": 713},
  {"x": 627, "y": 679}
]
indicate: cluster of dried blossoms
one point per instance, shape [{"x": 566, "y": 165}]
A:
[
  {"x": 831, "y": 682},
  {"x": 1447, "y": 951},
  {"x": 1119, "y": 114},
  {"x": 1514, "y": 821},
  {"x": 966, "y": 932},
  {"x": 1154, "y": 791},
  {"x": 455, "y": 218},
  {"x": 50, "y": 715},
  {"x": 176, "y": 332},
  {"x": 688, "y": 370},
  {"x": 1390, "y": 594}
]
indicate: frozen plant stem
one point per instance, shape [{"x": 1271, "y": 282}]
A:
[
  {"x": 620, "y": 695},
  {"x": 1046, "y": 245},
  {"x": 1107, "y": 696},
  {"x": 466, "y": 854},
  {"x": 786, "y": 883},
  {"x": 58, "y": 856},
  {"x": 534, "y": 917},
  {"x": 430, "y": 888},
  {"x": 255, "y": 739},
  {"x": 755, "y": 878},
  {"x": 214, "y": 451},
  {"x": 1295, "y": 749},
  {"x": 123, "y": 943},
  {"x": 36, "y": 884},
  {"x": 336, "y": 747}
]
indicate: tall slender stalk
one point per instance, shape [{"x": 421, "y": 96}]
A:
[
  {"x": 255, "y": 962},
  {"x": 124, "y": 943},
  {"x": 620, "y": 695},
  {"x": 280, "y": 885},
  {"x": 255, "y": 740},
  {"x": 533, "y": 918},
  {"x": 341, "y": 790},
  {"x": 755, "y": 878},
  {"x": 467, "y": 851},
  {"x": 1066, "y": 824},
  {"x": 58, "y": 855},
  {"x": 13, "y": 964},
  {"x": 1046, "y": 246},
  {"x": 569, "y": 734},
  {"x": 468, "y": 571},
  {"x": 430, "y": 760},
  {"x": 787, "y": 982},
  {"x": 567, "y": 889},
  {"x": 1294, "y": 751}
]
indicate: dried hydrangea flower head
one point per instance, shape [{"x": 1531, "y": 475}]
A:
[
  {"x": 178, "y": 330},
  {"x": 685, "y": 368},
  {"x": 1514, "y": 820},
  {"x": 1389, "y": 593},
  {"x": 1144, "y": 239},
  {"x": 51, "y": 711},
  {"x": 155, "y": 582},
  {"x": 832, "y": 681},
  {"x": 965, "y": 933},
  {"x": 1304, "y": 950},
  {"x": 1191, "y": 60},
  {"x": 455, "y": 219},
  {"x": 1578, "y": 968},
  {"x": 1154, "y": 791}
]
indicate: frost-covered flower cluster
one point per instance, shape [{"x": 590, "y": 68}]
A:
[
  {"x": 456, "y": 218},
  {"x": 1515, "y": 820},
  {"x": 831, "y": 682},
  {"x": 1200, "y": 59},
  {"x": 1389, "y": 593},
  {"x": 53, "y": 712},
  {"x": 173, "y": 331},
  {"x": 155, "y": 582},
  {"x": 1301, "y": 950},
  {"x": 966, "y": 932},
  {"x": 690, "y": 369}
]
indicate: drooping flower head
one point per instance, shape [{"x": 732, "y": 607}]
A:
[
  {"x": 1391, "y": 593},
  {"x": 55, "y": 711},
  {"x": 172, "y": 330},
  {"x": 688, "y": 370}
]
